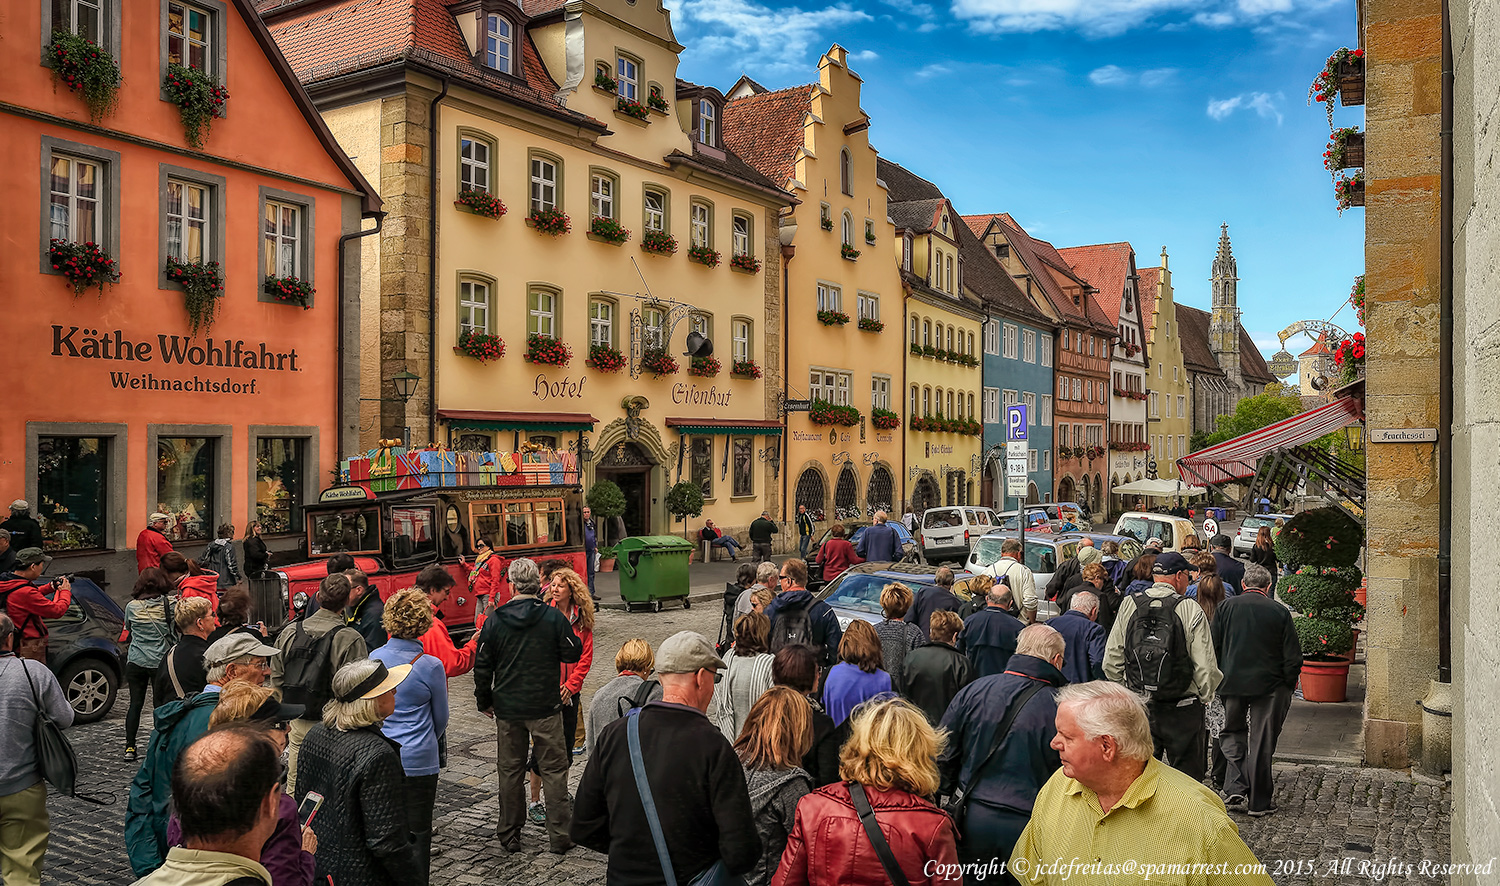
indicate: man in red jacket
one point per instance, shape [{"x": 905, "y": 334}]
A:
[
  {"x": 27, "y": 604},
  {"x": 152, "y": 543}
]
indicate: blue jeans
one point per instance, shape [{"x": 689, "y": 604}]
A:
[
  {"x": 803, "y": 543},
  {"x": 725, "y": 541}
]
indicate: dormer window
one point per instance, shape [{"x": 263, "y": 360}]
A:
[
  {"x": 628, "y": 78},
  {"x": 498, "y": 43},
  {"x": 708, "y": 123}
]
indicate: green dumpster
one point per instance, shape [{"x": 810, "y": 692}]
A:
[{"x": 653, "y": 568}]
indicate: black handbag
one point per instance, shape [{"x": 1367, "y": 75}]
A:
[{"x": 54, "y": 753}]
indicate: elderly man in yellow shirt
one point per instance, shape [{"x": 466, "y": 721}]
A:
[{"x": 1113, "y": 814}]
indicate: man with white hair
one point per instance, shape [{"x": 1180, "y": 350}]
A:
[
  {"x": 1079, "y": 626},
  {"x": 880, "y": 543},
  {"x": 1104, "y": 741},
  {"x": 999, "y": 752},
  {"x": 152, "y": 543}
]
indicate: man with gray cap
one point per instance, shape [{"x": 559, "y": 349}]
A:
[
  {"x": 694, "y": 778},
  {"x": 25, "y": 531},
  {"x": 152, "y": 543},
  {"x": 27, "y": 603},
  {"x": 1161, "y": 647}
]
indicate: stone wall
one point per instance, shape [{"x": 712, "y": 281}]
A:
[
  {"x": 1402, "y": 42},
  {"x": 1476, "y": 432}
]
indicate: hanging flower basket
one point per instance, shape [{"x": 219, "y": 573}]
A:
[
  {"x": 1349, "y": 191},
  {"x": 608, "y": 230},
  {"x": 86, "y": 69},
  {"x": 83, "y": 264},
  {"x": 605, "y": 359},
  {"x": 199, "y": 99},
  {"x": 824, "y": 413},
  {"x": 833, "y": 318},
  {"x": 290, "y": 290},
  {"x": 656, "y": 102},
  {"x": 550, "y": 221},
  {"x": 884, "y": 419},
  {"x": 849, "y": 252},
  {"x": 745, "y": 369},
  {"x": 1346, "y": 149},
  {"x": 870, "y": 324},
  {"x": 745, "y": 262},
  {"x": 1342, "y": 75},
  {"x": 480, "y": 202},
  {"x": 546, "y": 350},
  {"x": 704, "y": 367},
  {"x": 1349, "y": 357},
  {"x": 704, "y": 256},
  {"x": 632, "y": 109},
  {"x": 202, "y": 285},
  {"x": 480, "y": 345},
  {"x": 1357, "y": 298},
  {"x": 658, "y": 362},
  {"x": 659, "y": 242},
  {"x": 916, "y": 349}
]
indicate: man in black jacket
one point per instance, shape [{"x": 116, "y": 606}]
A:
[
  {"x": 695, "y": 779},
  {"x": 1003, "y": 789},
  {"x": 366, "y": 611},
  {"x": 989, "y": 635},
  {"x": 1261, "y": 658},
  {"x": 938, "y": 596},
  {"x": 823, "y": 623},
  {"x": 1231, "y": 570},
  {"x": 517, "y": 675}
]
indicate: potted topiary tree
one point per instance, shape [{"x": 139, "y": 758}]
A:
[
  {"x": 607, "y": 502},
  {"x": 1318, "y": 549},
  {"x": 685, "y": 500}
]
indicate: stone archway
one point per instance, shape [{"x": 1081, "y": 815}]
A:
[
  {"x": 1065, "y": 489},
  {"x": 925, "y": 494},
  {"x": 846, "y": 494},
  {"x": 880, "y": 492},
  {"x": 812, "y": 490},
  {"x": 1084, "y": 491}
]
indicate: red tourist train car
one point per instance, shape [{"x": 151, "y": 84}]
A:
[{"x": 398, "y": 512}]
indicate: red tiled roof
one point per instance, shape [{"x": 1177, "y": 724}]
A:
[
  {"x": 1048, "y": 268},
  {"x": 1147, "y": 286},
  {"x": 1192, "y": 331},
  {"x": 535, "y": 8},
  {"x": 1105, "y": 266},
  {"x": 766, "y": 130},
  {"x": 1318, "y": 348}
]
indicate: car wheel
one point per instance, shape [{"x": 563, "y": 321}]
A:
[{"x": 90, "y": 687}]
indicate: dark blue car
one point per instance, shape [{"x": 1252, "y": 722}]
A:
[{"x": 85, "y": 652}]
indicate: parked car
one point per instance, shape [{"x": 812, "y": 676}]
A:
[
  {"x": 946, "y": 531},
  {"x": 854, "y": 532},
  {"x": 1042, "y": 555},
  {"x": 1250, "y": 526},
  {"x": 85, "y": 652},
  {"x": 856, "y": 593},
  {"x": 1143, "y": 526}
]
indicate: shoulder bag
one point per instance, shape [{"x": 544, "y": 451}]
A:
[
  {"x": 717, "y": 874},
  {"x": 54, "y": 753},
  {"x": 866, "y": 812},
  {"x": 958, "y": 805}
]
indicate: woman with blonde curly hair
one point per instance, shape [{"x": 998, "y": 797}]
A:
[
  {"x": 569, "y": 593},
  {"x": 890, "y": 764},
  {"x": 897, "y": 636},
  {"x": 421, "y": 715}
]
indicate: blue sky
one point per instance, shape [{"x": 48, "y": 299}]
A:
[{"x": 1094, "y": 121}]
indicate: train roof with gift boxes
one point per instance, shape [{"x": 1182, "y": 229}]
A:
[{"x": 393, "y": 468}]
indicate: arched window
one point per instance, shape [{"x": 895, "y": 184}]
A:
[
  {"x": 971, "y": 405},
  {"x": 950, "y": 402},
  {"x": 812, "y": 493},
  {"x": 950, "y": 338},
  {"x": 937, "y": 269},
  {"x": 847, "y": 229},
  {"x": 846, "y": 493},
  {"x": 881, "y": 492},
  {"x": 846, "y": 172},
  {"x": 926, "y": 333},
  {"x": 497, "y": 43},
  {"x": 916, "y": 402},
  {"x": 950, "y": 273},
  {"x": 927, "y": 402},
  {"x": 970, "y": 349},
  {"x": 915, "y": 331}
]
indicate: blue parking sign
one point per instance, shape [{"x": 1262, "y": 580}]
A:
[{"x": 1015, "y": 423}]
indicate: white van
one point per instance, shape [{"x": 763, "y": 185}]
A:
[
  {"x": 1144, "y": 526},
  {"x": 946, "y": 531}
]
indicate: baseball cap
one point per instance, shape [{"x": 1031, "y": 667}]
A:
[
  {"x": 687, "y": 652},
  {"x": 158, "y": 516},
  {"x": 30, "y": 557},
  {"x": 236, "y": 645},
  {"x": 1170, "y": 563},
  {"x": 20, "y": 505},
  {"x": 380, "y": 681}
]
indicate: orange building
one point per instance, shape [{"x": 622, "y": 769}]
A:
[{"x": 118, "y": 403}]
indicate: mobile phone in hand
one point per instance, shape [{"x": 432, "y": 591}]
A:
[{"x": 309, "y": 808}]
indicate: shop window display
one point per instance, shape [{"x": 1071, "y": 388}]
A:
[
  {"x": 185, "y": 485},
  {"x": 279, "y": 474},
  {"x": 71, "y": 486}
]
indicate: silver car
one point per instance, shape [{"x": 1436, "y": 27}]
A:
[{"x": 1250, "y": 526}]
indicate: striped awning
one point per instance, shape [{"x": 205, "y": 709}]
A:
[
  {"x": 483, "y": 420},
  {"x": 711, "y": 426},
  {"x": 1237, "y": 459}
]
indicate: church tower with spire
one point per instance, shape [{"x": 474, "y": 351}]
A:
[{"x": 1224, "y": 326}]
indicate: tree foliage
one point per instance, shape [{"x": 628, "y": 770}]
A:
[
  {"x": 1251, "y": 414},
  {"x": 685, "y": 500},
  {"x": 605, "y": 499}
]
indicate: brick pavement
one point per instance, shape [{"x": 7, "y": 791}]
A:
[{"x": 1328, "y": 813}]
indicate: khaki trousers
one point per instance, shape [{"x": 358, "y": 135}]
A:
[
  {"x": 23, "y": 836},
  {"x": 552, "y": 758},
  {"x": 299, "y": 730}
]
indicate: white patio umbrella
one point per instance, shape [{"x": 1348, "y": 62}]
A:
[{"x": 1159, "y": 489}]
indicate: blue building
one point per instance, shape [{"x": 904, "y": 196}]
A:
[{"x": 1018, "y": 348}]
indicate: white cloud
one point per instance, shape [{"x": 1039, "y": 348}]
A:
[
  {"x": 1262, "y": 103},
  {"x": 934, "y": 70},
  {"x": 762, "y": 38},
  {"x": 864, "y": 55},
  {"x": 1104, "y": 18},
  {"x": 921, "y": 10},
  {"x": 1110, "y": 75},
  {"x": 1157, "y": 76},
  {"x": 1219, "y": 19}
]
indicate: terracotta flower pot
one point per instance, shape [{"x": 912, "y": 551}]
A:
[
  {"x": 1360, "y": 595},
  {"x": 1325, "y": 681},
  {"x": 607, "y": 564}
]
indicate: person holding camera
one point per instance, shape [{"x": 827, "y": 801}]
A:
[{"x": 27, "y": 603}]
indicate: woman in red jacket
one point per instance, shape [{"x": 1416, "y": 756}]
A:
[
  {"x": 487, "y": 578},
  {"x": 570, "y": 594},
  {"x": 191, "y": 580},
  {"x": 891, "y": 756},
  {"x": 837, "y": 554}
]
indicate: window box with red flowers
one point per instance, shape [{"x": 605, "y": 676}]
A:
[
  {"x": 1343, "y": 75},
  {"x": 704, "y": 256},
  {"x": 826, "y": 222},
  {"x": 608, "y": 230},
  {"x": 916, "y": 349},
  {"x": 83, "y": 264},
  {"x": 1346, "y": 149},
  {"x": 704, "y": 367},
  {"x": 1095, "y": 452},
  {"x": 202, "y": 285},
  {"x": 480, "y": 202},
  {"x": 658, "y": 362},
  {"x": 1349, "y": 191},
  {"x": 657, "y": 102},
  {"x": 550, "y": 221},
  {"x": 884, "y": 419},
  {"x": 745, "y": 262},
  {"x": 546, "y": 350},
  {"x": 659, "y": 243},
  {"x": 290, "y": 291},
  {"x": 605, "y": 359},
  {"x": 604, "y": 83},
  {"x": 849, "y": 252},
  {"x": 480, "y": 345},
  {"x": 824, "y": 413},
  {"x": 1349, "y": 357},
  {"x": 930, "y": 351},
  {"x": 632, "y": 109},
  {"x": 870, "y": 324},
  {"x": 833, "y": 318},
  {"x": 86, "y": 69},
  {"x": 745, "y": 369},
  {"x": 199, "y": 99}
]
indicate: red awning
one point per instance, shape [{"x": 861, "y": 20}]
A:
[{"x": 1237, "y": 459}]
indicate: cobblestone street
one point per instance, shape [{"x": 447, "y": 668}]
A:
[{"x": 1328, "y": 813}]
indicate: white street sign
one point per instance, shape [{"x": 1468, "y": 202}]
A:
[{"x": 1016, "y": 449}]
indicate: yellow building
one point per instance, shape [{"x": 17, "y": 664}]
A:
[
  {"x": 624, "y": 226},
  {"x": 844, "y": 296},
  {"x": 1169, "y": 417}
]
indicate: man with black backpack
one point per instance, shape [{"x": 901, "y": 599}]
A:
[
  {"x": 313, "y": 648},
  {"x": 797, "y": 618},
  {"x": 1161, "y": 647}
]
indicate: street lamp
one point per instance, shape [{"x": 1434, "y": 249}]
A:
[
  {"x": 1354, "y": 435},
  {"x": 405, "y": 383}
]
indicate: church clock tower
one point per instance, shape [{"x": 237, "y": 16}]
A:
[{"x": 1224, "y": 331}]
